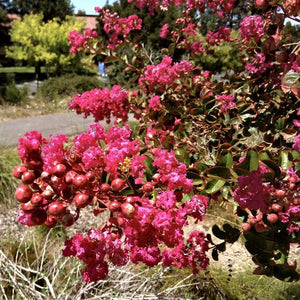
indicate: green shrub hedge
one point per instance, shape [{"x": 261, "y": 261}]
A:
[{"x": 68, "y": 85}]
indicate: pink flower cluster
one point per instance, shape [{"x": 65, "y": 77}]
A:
[
  {"x": 173, "y": 174},
  {"x": 80, "y": 42},
  {"x": 29, "y": 149},
  {"x": 227, "y": 101},
  {"x": 158, "y": 77},
  {"x": 152, "y": 226},
  {"x": 296, "y": 63},
  {"x": 290, "y": 212},
  {"x": 154, "y": 103},
  {"x": 190, "y": 30},
  {"x": 102, "y": 103},
  {"x": 164, "y": 31},
  {"x": 93, "y": 251},
  {"x": 54, "y": 152},
  {"x": 252, "y": 27},
  {"x": 251, "y": 192},
  {"x": 118, "y": 28},
  {"x": 291, "y": 216},
  {"x": 157, "y": 136},
  {"x": 70, "y": 177},
  {"x": 296, "y": 144},
  {"x": 259, "y": 64},
  {"x": 218, "y": 37},
  {"x": 218, "y": 7},
  {"x": 120, "y": 147},
  {"x": 196, "y": 48}
]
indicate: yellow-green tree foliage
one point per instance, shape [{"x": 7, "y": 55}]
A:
[{"x": 40, "y": 43}]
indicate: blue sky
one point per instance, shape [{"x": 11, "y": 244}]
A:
[{"x": 88, "y": 5}]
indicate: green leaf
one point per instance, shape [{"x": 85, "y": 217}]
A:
[
  {"x": 208, "y": 236},
  {"x": 221, "y": 247},
  {"x": 227, "y": 227},
  {"x": 253, "y": 164},
  {"x": 225, "y": 160},
  {"x": 232, "y": 234},
  {"x": 201, "y": 166},
  {"x": 127, "y": 191},
  {"x": 220, "y": 234},
  {"x": 250, "y": 162},
  {"x": 279, "y": 124},
  {"x": 215, "y": 254},
  {"x": 214, "y": 185},
  {"x": 296, "y": 154},
  {"x": 171, "y": 49},
  {"x": 289, "y": 79},
  {"x": 112, "y": 59},
  {"x": 240, "y": 172},
  {"x": 149, "y": 166},
  {"x": 260, "y": 242},
  {"x": 251, "y": 247},
  {"x": 286, "y": 159},
  {"x": 272, "y": 165},
  {"x": 219, "y": 172},
  {"x": 265, "y": 155},
  {"x": 286, "y": 273}
]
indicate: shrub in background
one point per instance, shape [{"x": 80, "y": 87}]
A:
[{"x": 68, "y": 85}]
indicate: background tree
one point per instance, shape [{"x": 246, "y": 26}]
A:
[
  {"x": 210, "y": 21},
  {"x": 148, "y": 36},
  {"x": 50, "y": 9},
  {"x": 48, "y": 46},
  {"x": 152, "y": 24},
  {"x": 293, "y": 31},
  {"x": 81, "y": 12},
  {"x": 4, "y": 28}
]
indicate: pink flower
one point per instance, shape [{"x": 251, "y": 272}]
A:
[
  {"x": 296, "y": 63},
  {"x": 296, "y": 144},
  {"x": 29, "y": 149},
  {"x": 54, "y": 151},
  {"x": 196, "y": 48},
  {"x": 25, "y": 218},
  {"x": 173, "y": 174},
  {"x": 251, "y": 192},
  {"x": 297, "y": 121},
  {"x": 93, "y": 158},
  {"x": 252, "y": 27},
  {"x": 259, "y": 64},
  {"x": 149, "y": 255},
  {"x": 80, "y": 42},
  {"x": 118, "y": 28},
  {"x": 196, "y": 207},
  {"x": 162, "y": 221},
  {"x": 154, "y": 103},
  {"x": 102, "y": 104},
  {"x": 164, "y": 31},
  {"x": 218, "y": 37},
  {"x": 164, "y": 74},
  {"x": 166, "y": 200},
  {"x": 93, "y": 251},
  {"x": 190, "y": 30},
  {"x": 227, "y": 101}
]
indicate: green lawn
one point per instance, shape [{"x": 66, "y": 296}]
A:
[{"x": 17, "y": 70}]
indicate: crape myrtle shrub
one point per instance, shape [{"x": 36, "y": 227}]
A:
[{"x": 192, "y": 146}]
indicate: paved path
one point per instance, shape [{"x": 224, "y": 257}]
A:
[{"x": 65, "y": 123}]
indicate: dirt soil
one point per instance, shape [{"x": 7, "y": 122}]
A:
[{"x": 235, "y": 257}]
